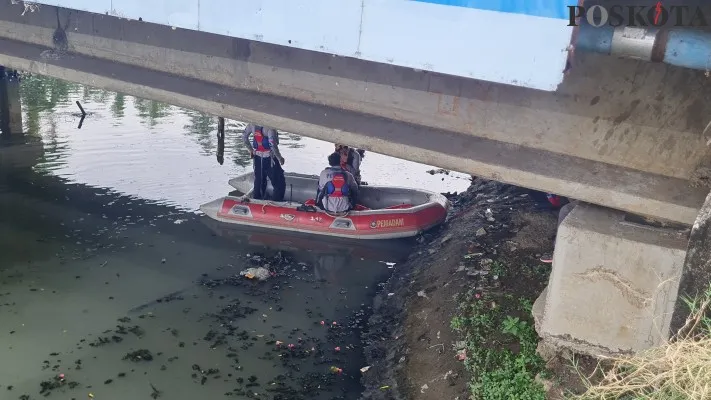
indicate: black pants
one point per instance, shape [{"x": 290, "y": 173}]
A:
[{"x": 268, "y": 167}]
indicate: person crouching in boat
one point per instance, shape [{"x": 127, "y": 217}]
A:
[
  {"x": 350, "y": 160},
  {"x": 264, "y": 150},
  {"x": 337, "y": 188}
]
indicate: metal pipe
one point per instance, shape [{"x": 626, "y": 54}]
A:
[
  {"x": 688, "y": 49},
  {"x": 681, "y": 47}
]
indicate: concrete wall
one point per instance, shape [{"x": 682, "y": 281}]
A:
[
  {"x": 619, "y": 133},
  {"x": 614, "y": 284},
  {"x": 451, "y": 37},
  {"x": 10, "y": 106}
]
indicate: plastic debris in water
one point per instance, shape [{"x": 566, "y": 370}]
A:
[
  {"x": 323, "y": 322},
  {"x": 338, "y": 348},
  {"x": 365, "y": 369},
  {"x": 260, "y": 273},
  {"x": 336, "y": 370}
]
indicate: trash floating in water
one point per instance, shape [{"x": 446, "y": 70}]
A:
[
  {"x": 259, "y": 273},
  {"x": 365, "y": 369},
  {"x": 139, "y": 355},
  {"x": 336, "y": 370}
]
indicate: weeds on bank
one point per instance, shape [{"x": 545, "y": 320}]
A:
[
  {"x": 678, "y": 370},
  {"x": 499, "y": 347}
]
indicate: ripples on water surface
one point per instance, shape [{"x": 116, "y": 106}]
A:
[{"x": 101, "y": 254}]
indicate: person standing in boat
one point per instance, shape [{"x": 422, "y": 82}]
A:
[
  {"x": 264, "y": 150},
  {"x": 350, "y": 160},
  {"x": 337, "y": 188}
]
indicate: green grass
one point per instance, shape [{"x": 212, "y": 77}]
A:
[{"x": 500, "y": 343}]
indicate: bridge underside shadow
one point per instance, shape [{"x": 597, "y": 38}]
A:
[{"x": 623, "y": 134}]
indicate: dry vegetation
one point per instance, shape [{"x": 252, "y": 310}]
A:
[{"x": 681, "y": 369}]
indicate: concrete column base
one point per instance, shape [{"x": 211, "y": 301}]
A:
[
  {"x": 14, "y": 106},
  {"x": 614, "y": 284},
  {"x": 10, "y": 109}
]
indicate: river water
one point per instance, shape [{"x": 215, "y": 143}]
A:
[{"x": 105, "y": 261}]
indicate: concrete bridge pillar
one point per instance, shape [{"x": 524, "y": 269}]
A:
[
  {"x": 10, "y": 109},
  {"x": 617, "y": 283}
]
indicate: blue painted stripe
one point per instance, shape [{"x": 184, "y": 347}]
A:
[
  {"x": 689, "y": 49},
  {"x": 539, "y": 8},
  {"x": 594, "y": 39}
]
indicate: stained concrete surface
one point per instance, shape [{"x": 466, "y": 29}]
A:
[
  {"x": 614, "y": 284},
  {"x": 10, "y": 107}
]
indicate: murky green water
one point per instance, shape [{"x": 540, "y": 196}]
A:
[{"x": 102, "y": 253}]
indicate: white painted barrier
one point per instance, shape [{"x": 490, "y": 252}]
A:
[{"x": 517, "y": 42}]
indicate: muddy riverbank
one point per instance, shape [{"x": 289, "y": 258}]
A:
[{"x": 488, "y": 250}]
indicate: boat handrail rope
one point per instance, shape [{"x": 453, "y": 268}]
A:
[{"x": 268, "y": 203}]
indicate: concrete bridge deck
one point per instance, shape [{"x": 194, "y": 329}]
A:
[{"x": 619, "y": 133}]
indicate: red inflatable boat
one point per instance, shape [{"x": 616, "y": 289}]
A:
[{"x": 383, "y": 212}]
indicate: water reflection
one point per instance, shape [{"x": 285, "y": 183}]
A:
[
  {"x": 167, "y": 154},
  {"x": 151, "y": 111},
  {"x": 118, "y": 106}
]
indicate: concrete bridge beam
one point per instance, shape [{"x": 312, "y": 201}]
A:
[{"x": 619, "y": 133}]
